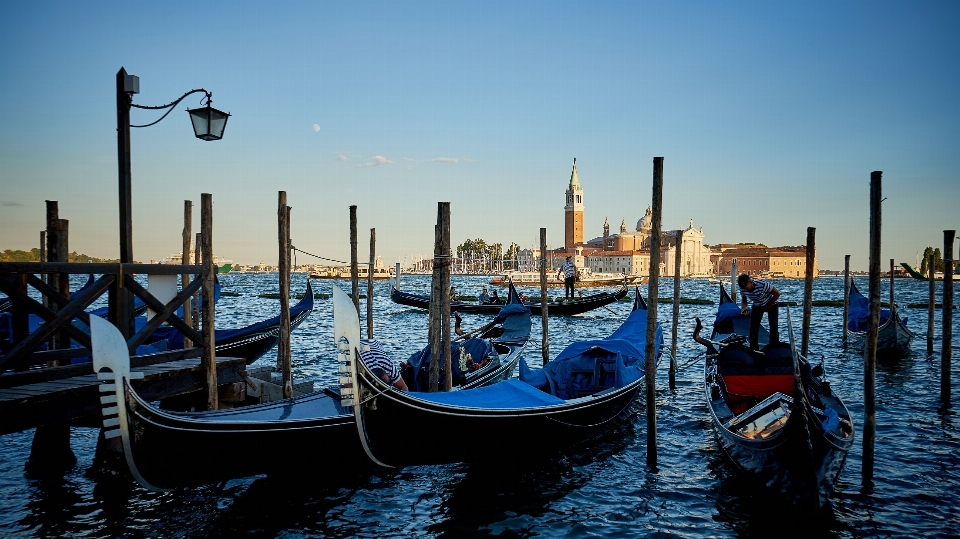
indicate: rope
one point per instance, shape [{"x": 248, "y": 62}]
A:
[{"x": 318, "y": 256}]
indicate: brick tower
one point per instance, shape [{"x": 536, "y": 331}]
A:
[{"x": 573, "y": 213}]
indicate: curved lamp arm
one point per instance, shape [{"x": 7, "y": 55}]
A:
[{"x": 171, "y": 106}]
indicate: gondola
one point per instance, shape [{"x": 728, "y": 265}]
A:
[
  {"x": 162, "y": 448},
  {"x": 564, "y": 308},
  {"x": 249, "y": 342},
  {"x": 776, "y": 417},
  {"x": 893, "y": 337},
  {"x": 590, "y": 387},
  {"x": 490, "y": 347}
]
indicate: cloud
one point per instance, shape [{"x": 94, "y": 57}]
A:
[
  {"x": 377, "y": 161},
  {"x": 468, "y": 160},
  {"x": 9, "y": 203},
  {"x": 316, "y": 128},
  {"x": 342, "y": 157},
  {"x": 445, "y": 160},
  {"x": 412, "y": 160}
]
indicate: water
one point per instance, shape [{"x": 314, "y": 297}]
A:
[{"x": 603, "y": 489}]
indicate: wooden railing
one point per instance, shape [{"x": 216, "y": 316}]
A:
[{"x": 23, "y": 362}]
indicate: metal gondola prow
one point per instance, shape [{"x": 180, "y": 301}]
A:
[
  {"x": 346, "y": 335},
  {"x": 638, "y": 301},
  {"x": 111, "y": 362}
]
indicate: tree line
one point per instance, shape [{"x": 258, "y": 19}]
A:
[
  {"x": 483, "y": 256},
  {"x": 33, "y": 255},
  {"x": 937, "y": 260}
]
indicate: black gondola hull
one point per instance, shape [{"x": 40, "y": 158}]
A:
[
  {"x": 565, "y": 308},
  {"x": 391, "y": 423},
  {"x": 778, "y": 462}
]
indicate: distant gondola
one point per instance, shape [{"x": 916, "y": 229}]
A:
[
  {"x": 564, "y": 308},
  {"x": 588, "y": 388},
  {"x": 161, "y": 447},
  {"x": 492, "y": 346},
  {"x": 775, "y": 416},
  {"x": 893, "y": 337},
  {"x": 250, "y": 342}
]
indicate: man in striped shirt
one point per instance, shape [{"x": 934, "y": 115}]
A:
[
  {"x": 764, "y": 297},
  {"x": 376, "y": 359},
  {"x": 569, "y": 271}
]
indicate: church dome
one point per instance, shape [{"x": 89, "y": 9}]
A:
[{"x": 646, "y": 222}]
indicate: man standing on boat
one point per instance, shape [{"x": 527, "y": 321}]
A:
[
  {"x": 764, "y": 297},
  {"x": 569, "y": 271}
]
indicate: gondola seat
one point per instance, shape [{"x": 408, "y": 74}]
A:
[{"x": 749, "y": 378}]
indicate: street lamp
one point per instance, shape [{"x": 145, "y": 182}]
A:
[{"x": 208, "y": 124}]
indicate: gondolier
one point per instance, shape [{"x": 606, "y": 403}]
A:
[
  {"x": 764, "y": 297},
  {"x": 569, "y": 271}
]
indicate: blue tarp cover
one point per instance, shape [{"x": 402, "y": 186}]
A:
[
  {"x": 506, "y": 394},
  {"x": 859, "y": 310},
  {"x": 587, "y": 367},
  {"x": 515, "y": 318}
]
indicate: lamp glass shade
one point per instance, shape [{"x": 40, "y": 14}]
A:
[{"x": 208, "y": 122}]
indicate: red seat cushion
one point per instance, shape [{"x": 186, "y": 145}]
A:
[{"x": 745, "y": 390}]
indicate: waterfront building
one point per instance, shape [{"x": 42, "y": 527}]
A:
[{"x": 762, "y": 261}]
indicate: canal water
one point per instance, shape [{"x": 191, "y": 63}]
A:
[{"x": 601, "y": 489}]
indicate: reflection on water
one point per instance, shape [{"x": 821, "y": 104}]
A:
[{"x": 601, "y": 489}]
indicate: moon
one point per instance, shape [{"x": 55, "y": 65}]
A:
[{"x": 316, "y": 128}]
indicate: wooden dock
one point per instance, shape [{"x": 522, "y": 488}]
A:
[{"x": 77, "y": 399}]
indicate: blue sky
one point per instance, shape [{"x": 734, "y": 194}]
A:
[{"x": 770, "y": 117}]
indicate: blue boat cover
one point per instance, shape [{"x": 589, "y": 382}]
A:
[
  {"x": 587, "y": 367},
  {"x": 515, "y": 320},
  {"x": 859, "y": 311},
  {"x": 506, "y": 394}
]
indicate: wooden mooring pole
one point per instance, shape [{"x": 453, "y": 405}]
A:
[
  {"x": 187, "y": 235},
  {"x": 846, "y": 298},
  {"x": 284, "y": 362},
  {"x": 808, "y": 291},
  {"x": 544, "y": 309},
  {"x": 676, "y": 309},
  {"x": 354, "y": 271},
  {"x": 373, "y": 254},
  {"x": 197, "y": 261},
  {"x": 434, "y": 319},
  {"x": 209, "y": 308},
  {"x": 444, "y": 259},
  {"x": 733, "y": 280},
  {"x": 650, "y": 372},
  {"x": 873, "y": 324},
  {"x": 932, "y": 304},
  {"x": 893, "y": 306},
  {"x": 50, "y": 452},
  {"x": 947, "y": 317}
]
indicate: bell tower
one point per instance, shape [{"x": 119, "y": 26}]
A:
[{"x": 573, "y": 212}]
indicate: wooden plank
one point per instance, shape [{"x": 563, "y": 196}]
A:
[{"x": 64, "y": 400}]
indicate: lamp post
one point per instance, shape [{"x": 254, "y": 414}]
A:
[{"x": 208, "y": 124}]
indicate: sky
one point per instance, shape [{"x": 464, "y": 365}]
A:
[{"x": 770, "y": 117}]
